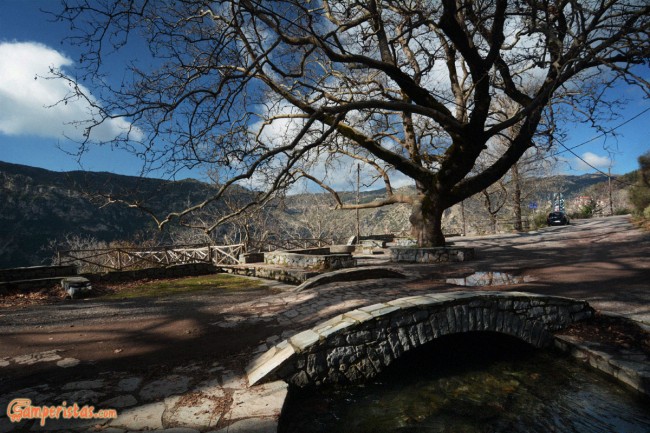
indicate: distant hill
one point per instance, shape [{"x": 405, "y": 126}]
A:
[
  {"x": 38, "y": 206},
  {"x": 573, "y": 185}
]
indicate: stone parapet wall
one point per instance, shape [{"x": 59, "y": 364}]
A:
[
  {"x": 251, "y": 258},
  {"x": 36, "y": 272},
  {"x": 176, "y": 271},
  {"x": 405, "y": 242},
  {"x": 38, "y": 277},
  {"x": 320, "y": 261},
  {"x": 284, "y": 275},
  {"x": 385, "y": 237},
  {"x": 356, "y": 346},
  {"x": 431, "y": 255}
]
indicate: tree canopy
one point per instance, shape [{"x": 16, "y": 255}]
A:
[{"x": 275, "y": 91}]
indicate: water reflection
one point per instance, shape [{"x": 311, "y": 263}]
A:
[
  {"x": 479, "y": 279},
  {"x": 475, "y": 383}
]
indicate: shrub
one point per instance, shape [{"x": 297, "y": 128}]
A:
[{"x": 540, "y": 219}]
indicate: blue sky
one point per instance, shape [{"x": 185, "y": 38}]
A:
[{"x": 33, "y": 135}]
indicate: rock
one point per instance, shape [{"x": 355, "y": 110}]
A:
[
  {"x": 251, "y": 425},
  {"x": 259, "y": 401},
  {"x": 76, "y": 286},
  {"x": 33, "y": 358},
  {"x": 129, "y": 384},
  {"x": 147, "y": 417},
  {"x": 68, "y": 362},
  {"x": 192, "y": 411},
  {"x": 170, "y": 385},
  {"x": 81, "y": 397},
  {"x": 84, "y": 384},
  {"x": 119, "y": 402}
]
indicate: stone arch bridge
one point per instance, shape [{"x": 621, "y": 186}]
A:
[{"x": 357, "y": 345}]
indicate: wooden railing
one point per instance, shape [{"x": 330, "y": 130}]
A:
[
  {"x": 120, "y": 259},
  {"x": 295, "y": 244}
]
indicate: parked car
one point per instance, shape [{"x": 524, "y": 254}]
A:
[{"x": 557, "y": 219}]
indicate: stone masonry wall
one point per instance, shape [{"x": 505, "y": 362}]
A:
[
  {"x": 35, "y": 272},
  {"x": 356, "y": 346},
  {"x": 37, "y": 277},
  {"x": 176, "y": 271},
  {"x": 430, "y": 255},
  {"x": 309, "y": 261}
]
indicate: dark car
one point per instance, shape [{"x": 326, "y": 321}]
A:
[{"x": 557, "y": 219}]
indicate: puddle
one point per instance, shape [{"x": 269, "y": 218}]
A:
[{"x": 480, "y": 279}]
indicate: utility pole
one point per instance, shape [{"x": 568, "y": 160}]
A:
[
  {"x": 462, "y": 215},
  {"x": 358, "y": 189},
  {"x": 609, "y": 181}
]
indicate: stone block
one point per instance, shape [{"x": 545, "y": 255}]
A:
[
  {"x": 451, "y": 320},
  {"x": 259, "y": 401},
  {"x": 300, "y": 379},
  {"x": 146, "y": 417},
  {"x": 395, "y": 345},
  {"x": 404, "y": 339},
  {"x": 358, "y": 315},
  {"x": 84, "y": 384},
  {"x": 278, "y": 355},
  {"x": 335, "y": 327},
  {"x": 384, "y": 311},
  {"x": 161, "y": 388},
  {"x": 359, "y": 337},
  {"x": 316, "y": 365},
  {"x": 251, "y": 425},
  {"x": 304, "y": 340},
  {"x": 119, "y": 402},
  {"x": 129, "y": 384},
  {"x": 353, "y": 374},
  {"x": 371, "y": 308},
  {"x": 198, "y": 412},
  {"x": 424, "y": 332}
]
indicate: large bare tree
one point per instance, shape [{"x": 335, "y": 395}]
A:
[{"x": 273, "y": 91}]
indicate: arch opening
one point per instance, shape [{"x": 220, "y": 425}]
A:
[
  {"x": 455, "y": 352},
  {"x": 358, "y": 345}
]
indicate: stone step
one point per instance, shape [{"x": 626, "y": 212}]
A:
[{"x": 279, "y": 273}]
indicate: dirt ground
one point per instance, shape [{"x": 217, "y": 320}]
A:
[{"x": 604, "y": 261}]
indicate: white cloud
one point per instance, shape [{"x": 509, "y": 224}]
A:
[
  {"x": 28, "y": 102},
  {"x": 590, "y": 160}
]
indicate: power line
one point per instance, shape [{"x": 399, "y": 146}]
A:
[
  {"x": 598, "y": 170},
  {"x": 570, "y": 149},
  {"x": 567, "y": 149}
]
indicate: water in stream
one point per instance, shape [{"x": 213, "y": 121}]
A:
[{"x": 473, "y": 383}]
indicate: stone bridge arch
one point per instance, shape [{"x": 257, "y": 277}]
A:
[{"x": 357, "y": 345}]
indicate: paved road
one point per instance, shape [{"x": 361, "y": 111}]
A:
[{"x": 605, "y": 261}]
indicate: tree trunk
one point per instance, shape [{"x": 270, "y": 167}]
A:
[
  {"x": 493, "y": 223},
  {"x": 426, "y": 221}
]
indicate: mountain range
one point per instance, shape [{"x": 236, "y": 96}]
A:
[{"x": 39, "y": 207}]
